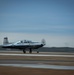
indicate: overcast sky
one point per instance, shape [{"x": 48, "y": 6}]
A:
[{"x": 52, "y": 20}]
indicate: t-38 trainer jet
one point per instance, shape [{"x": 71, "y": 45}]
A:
[{"x": 23, "y": 45}]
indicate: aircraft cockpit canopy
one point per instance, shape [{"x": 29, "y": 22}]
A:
[{"x": 25, "y": 41}]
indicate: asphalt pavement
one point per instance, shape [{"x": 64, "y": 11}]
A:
[{"x": 34, "y": 63}]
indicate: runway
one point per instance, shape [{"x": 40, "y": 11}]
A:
[
  {"x": 15, "y": 61},
  {"x": 6, "y": 54},
  {"x": 35, "y": 63},
  {"x": 40, "y": 66}
]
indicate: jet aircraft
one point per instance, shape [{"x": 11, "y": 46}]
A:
[{"x": 23, "y": 45}]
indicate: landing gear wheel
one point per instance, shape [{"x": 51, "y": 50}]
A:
[
  {"x": 37, "y": 51},
  {"x": 24, "y": 51},
  {"x": 30, "y": 50}
]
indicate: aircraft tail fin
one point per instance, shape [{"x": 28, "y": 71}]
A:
[{"x": 5, "y": 41}]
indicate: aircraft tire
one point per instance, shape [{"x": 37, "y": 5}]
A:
[
  {"x": 24, "y": 51},
  {"x": 37, "y": 51},
  {"x": 30, "y": 50}
]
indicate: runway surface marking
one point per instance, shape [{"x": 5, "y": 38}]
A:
[
  {"x": 40, "y": 66},
  {"x": 36, "y": 55}
]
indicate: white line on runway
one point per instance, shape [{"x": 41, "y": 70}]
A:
[
  {"x": 5, "y": 54},
  {"x": 40, "y": 66}
]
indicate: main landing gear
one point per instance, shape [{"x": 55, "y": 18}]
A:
[
  {"x": 24, "y": 51},
  {"x": 37, "y": 51},
  {"x": 30, "y": 50}
]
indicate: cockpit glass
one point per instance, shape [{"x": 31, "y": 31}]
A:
[{"x": 24, "y": 41}]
